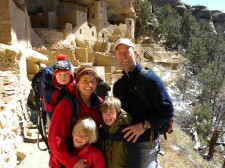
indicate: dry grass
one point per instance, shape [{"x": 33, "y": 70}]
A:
[{"x": 179, "y": 153}]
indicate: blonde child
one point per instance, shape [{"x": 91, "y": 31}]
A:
[
  {"x": 117, "y": 152},
  {"x": 85, "y": 132}
]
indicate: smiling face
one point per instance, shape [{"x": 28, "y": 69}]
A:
[
  {"x": 125, "y": 56},
  {"x": 109, "y": 116},
  {"x": 63, "y": 78},
  {"x": 80, "y": 139},
  {"x": 87, "y": 84}
]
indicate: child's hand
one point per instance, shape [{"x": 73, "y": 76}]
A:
[{"x": 81, "y": 163}]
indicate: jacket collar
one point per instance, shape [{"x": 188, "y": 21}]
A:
[
  {"x": 95, "y": 99},
  {"x": 134, "y": 72},
  {"x": 123, "y": 119}
]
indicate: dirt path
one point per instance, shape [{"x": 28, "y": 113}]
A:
[{"x": 35, "y": 158}]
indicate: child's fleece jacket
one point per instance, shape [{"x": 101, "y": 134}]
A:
[
  {"x": 53, "y": 92},
  {"x": 93, "y": 155},
  {"x": 117, "y": 152}
]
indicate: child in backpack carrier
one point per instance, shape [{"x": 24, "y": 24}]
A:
[
  {"x": 58, "y": 80},
  {"x": 85, "y": 132}
]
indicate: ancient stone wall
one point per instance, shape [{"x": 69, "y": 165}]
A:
[
  {"x": 45, "y": 20},
  {"x": 14, "y": 88},
  {"x": 104, "y": 60},
  {"x": 67, "y": 14},
  {"x": 82, "y": 54},
  {"x": 130, "y": 27},
  {"x": 97, "y": 15},
  {"x": 49, "y": 36},
  {"x": 5, "y": 24},
  {"x": 20, "y": 26},
  {"x": 40, "y": 20}
]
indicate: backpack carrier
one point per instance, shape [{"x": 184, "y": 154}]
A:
[{"x": 44, "y": 89}]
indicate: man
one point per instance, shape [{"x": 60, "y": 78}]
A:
[{"x": 146, "y": 120}]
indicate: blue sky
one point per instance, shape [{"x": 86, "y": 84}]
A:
[{"x": 211, "y": 4}]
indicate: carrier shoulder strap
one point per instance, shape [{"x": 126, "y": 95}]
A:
[
  {"x": 75, "y": 107},
  {"x": 140, "y": 86}
]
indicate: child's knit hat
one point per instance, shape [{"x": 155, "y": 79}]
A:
[
  {"x": 86, "y": 70},
  {"x": 62, "y": 65}
]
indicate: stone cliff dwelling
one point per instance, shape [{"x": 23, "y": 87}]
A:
[{"x": 81, "y": 30}]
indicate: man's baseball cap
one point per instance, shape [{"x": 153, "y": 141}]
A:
[{"x": 125, "y": 41}]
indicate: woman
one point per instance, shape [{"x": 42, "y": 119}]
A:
[{"x": 60, "y": 131}]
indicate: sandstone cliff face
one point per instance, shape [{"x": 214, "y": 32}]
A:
[{"x": 214, "y": 18}]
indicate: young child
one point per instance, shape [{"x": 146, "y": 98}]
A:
[
  {"x": 116, "y": 150},
  {"x": 57, "y": 79},
  {"x": 85, "y": 132}
]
